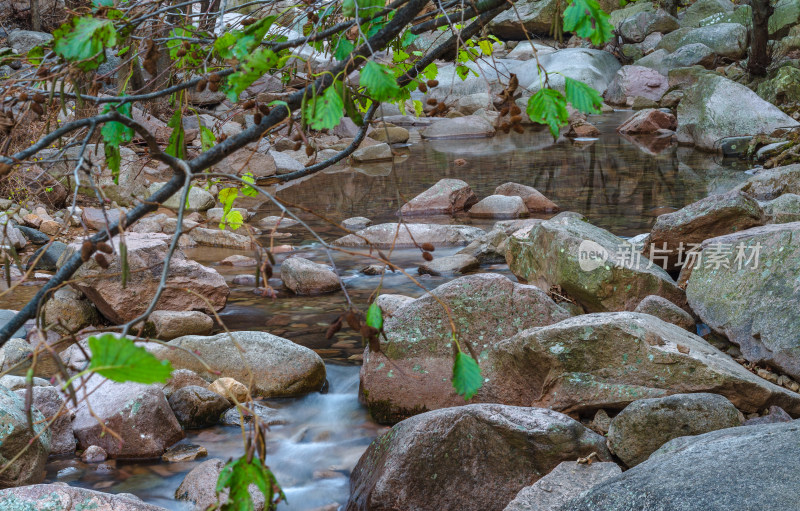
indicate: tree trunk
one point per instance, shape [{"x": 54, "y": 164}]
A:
[
  {"x": 36, "y": 16},
  {"x": 759, "y": 38}
]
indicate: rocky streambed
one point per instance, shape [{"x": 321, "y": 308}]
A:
[{"x": 594, "y": 379}]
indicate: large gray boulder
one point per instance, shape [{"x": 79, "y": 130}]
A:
[
  {"x": 568, "y": 480},
  {"x": 710, "y": 217},
  {"x": 197, "y": 407},
  {"x": 276, "y": 366},
  {"x": 636, "y": 81},
  {"x": 22, "y": 41},
  {"x": 470, "y": 126},
  {"x": 50, "y": 402},
  {"x": 200, "y": 484},
  {"x": 768, "y": 184},
  {"x": 715, "y": 108},
  {"x": 752, "y": 467},
  {"x": 647, "y": 424},
  {"x": 702, "y": 9},
  {"x": 466, "y": 458},
  {"x": 727, "y": 40},
  {"x": 595, "y": 68},
  {"x": 753, "y": 301},
  {"x": 306, "y": 277},
  {"x": 412, "y": 374},
  {"x": 59, "y": 496},
  {"x": 608, "y": 360},
  {"x": 16, "y": 438},
  {"x": 597, "y": 269}
]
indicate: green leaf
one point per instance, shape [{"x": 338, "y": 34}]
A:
[
  {"x": 431, "y": 72},
  {"x": 587, "y": 19},
  {"x": 238, "y": 475},
  {"x": 582, "y": 97},
  {"x": 374, "y": 316},
  {"x": 379, "y": 82},
  {"x": 84, "y": 40},
  {"x": 207, "y": 138},
  {"x": 366, "y": 8},
  {"x": 233, "y": 219},
  {"x": 120, "y": 360},
  {"x": 226, "y": 197},
  {"x": 486, "y": 47},
  {"x": 418, "y": 107},
  {"x": 176, "y": 145},
  {"x": 249, "y": 191},
  {"x": 324, "y": 112},
  {"x": 343, "y": 49},
  {"x": 114, "y": 135},
  {"x": 466, "y": 376},
  {"x": 549, "y": 107},
  {"x": 35, "y": 55},
  {"x": 253, "y": 68},
  {"x": 407, "y": 39},
  {"x": 462, "y": 72}
]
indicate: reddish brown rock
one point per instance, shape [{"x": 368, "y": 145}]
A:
[
  {"x": 419, "y": 341},
  {"x": 636, "y": 81},
  {"x": 534, "y": 200},
  {"x": 95, "y": 218},
  {"x": 467, "y": 458},
  {"x": 648, "y": 121},
  {"x": 138, "y": 414},
  {"x": 146, "y": 256},
  {"x": 446, "y": 197}
]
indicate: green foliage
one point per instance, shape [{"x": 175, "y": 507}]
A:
[
  {"x": 548, "y": 106},
  {"x": 238, "y": 475},
  {"x": 84, "y": 40},
  {"x": 587, "y": 19},
  {"x": 207, "y": 138},
  {"x": 239, "y": 44},
  {"x": 120, "y": 360},
  {"x": 582, "y": 97},
  {"x": 366, "y": 8},
  {"x": 379, "y": 81},
  {"x": 249, "y": 191},
  {"x": 226, "y": 197},
  {"x": 176, "y": 145},
  {"x": 343, "y": 49},
  {"x": 116, "y": 134},
  {"x": 466, "y": 375},
  {"x": 252, "y": 68},
  {"x": 374, "y": 316},
  {"x": 325, "y": 111}
]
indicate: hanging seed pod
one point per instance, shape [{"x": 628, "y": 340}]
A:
[
  {"x": 264, "y": 109},
  {"x": 248, "y": 21},
  {"x": 201, "y": 85},
  {"x": 516, "y": 119},
  {"x": 432, "y": 102},
  {"x": 515, "y": 110},
  {"x": 249, "y": 104},
  {"x": 222, "y": 137},
  {"x": 186, "y": 45},
  {"x": 257, "y": 118},
  {"x": 335, "y": 327},
  {"x": 213, "y": 86},
  {"x": 104, "y": 247},
  {"x": 42, "y": 71},
  {"x": 39, "y": 98},
  {"x": 23, "y": 96},
  {"x": 504, "y": 111},
  {"x": 180, "y": 53},
  {"x": 422, "y": 87},
  {"x": 519, "y": 129},
  {"x": 309, "y": 150},
  {"x": 214, "y": 78},
  {"x": 36, "y": 107},
  {"x": 86, "y": 250},
  {"x": 101, "y": 260},
  {"x": 427, "y": 256},
  {"x": 427, "y": 247},
  {"x": 297, "y": 136},
  {"x": 150, "y": 63},
  {"x": 297, "y": 146},
  {"x": 505, "y": 127},
  {"x": 441, "y": 107},
  {"x": 433, "y": 83}
]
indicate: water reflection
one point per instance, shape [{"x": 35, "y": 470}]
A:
[{"x": 619, "y": 183}]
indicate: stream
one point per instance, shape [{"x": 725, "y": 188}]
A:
[{"x": 619, "y": 184}]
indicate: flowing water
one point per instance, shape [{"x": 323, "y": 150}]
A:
[{"x": 619, "y": 183}]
